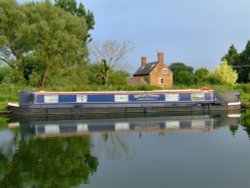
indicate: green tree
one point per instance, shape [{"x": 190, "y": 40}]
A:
[
  {"x": 244, "y": 65},
  {"x": 58, "y": 41},
  {"x": 38, "y": 38},
  {"x": 182, "y": 72},
  {"x": 12, "y": 46},
  {"x": 80, "y": 11},
  {"x": 93, "y": 73},
  {"x": 115, "y": 77},
  {"x": 232, "y": 57},
  {"x": 226, "y": 74},
  {"x": 119, "y": 77},
  {"x": 4, "y": 72},
  {"x": 183, "y": 78},
  {"x": 201, "y": 75}
]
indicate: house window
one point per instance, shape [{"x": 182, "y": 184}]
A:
[
  {"x": 161, "y": 80},
  {"x": 164, "y": 71}
]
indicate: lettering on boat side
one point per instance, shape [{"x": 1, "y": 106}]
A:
[{"x": 147, "y": 97}]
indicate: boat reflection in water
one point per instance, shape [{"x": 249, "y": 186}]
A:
[{"x": 162, "y": 125}]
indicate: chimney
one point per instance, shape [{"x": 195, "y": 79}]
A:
[
  {"x": 143, "y": 60},
  {"x": 160, "y": 57}
]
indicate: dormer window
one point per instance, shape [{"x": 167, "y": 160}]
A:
[{"x": 164, "y": 71}]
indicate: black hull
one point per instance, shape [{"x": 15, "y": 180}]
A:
[{"x": 106, "y": 109}]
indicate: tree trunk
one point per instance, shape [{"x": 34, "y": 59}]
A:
[{"x": 45, "y": 76}]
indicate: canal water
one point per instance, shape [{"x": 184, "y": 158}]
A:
[{"x": 177, "y": 151}]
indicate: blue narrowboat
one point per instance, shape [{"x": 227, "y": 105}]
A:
[{"x": 123, "y": 102}]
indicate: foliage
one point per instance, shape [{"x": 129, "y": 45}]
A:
[
  {"x": 201, "y": 75},
  {"x": 178, "y": 66},
  {"x": 37, "y": 38},
  {"x": 183, "y": 78},
  {"x": 87, "y": 16},
  {"x": 118, "y": 77},
  {"x": 4, "y": 72},
  {"x": 11, "y": 46},
  {"x": 232, "y": 57},
  {"x": 58, "y": 162},
  {"x": 109, "y": 55},
  {"x": 226, "y": 74},
  {"x": 244, "y": 65},
  {"x": 240, "y": 62},
  {"x": 115, "y": 77},
  {"x": 182, "y": 73}
]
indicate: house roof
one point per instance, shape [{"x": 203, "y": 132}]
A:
[{"x": 145, "y": 69}]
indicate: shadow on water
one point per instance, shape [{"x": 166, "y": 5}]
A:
[{"x": 56, "y": 151}]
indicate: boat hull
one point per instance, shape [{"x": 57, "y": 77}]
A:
[{"x": 115, "y": 109}]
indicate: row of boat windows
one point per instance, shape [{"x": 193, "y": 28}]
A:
[
  {"x": 119, "y": 126},
  {"x": 82, "y": 98}
]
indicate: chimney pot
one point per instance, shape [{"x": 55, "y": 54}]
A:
[
  {"x": 160, "y": 57},
  {"x": 143, "y": 60}
]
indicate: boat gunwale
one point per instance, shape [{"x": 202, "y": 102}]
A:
[{"x": 122, "y": 92}]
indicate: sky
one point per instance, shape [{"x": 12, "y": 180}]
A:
[{"x": 195, "y": 32}]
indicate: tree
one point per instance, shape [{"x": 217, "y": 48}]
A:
[
  {"x": 226, "y": 74},
  {"x": 87, "y": 16},
  {"x": 244, "y": 65},
  {"x": 180, "y": 69},
  {"x": 109, "y": 55},
  {"x": 11, "y": 46},
  {"x": 183, "y": 78},
  {"x": 4, "y": 71},
  {"x": 119, "y": 77},
  {"x": 115, "y": 78},
  {"x": 201, "y": 75},
  {"x": 232, "y": 57},
  {"x": 39, "y": 40}
]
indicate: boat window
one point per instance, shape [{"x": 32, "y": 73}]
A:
[
  {"x": 172, "y": 124},
  {"x": 172, "y": 97},
  {"x": 51, "y": 98},
  {"x": 81, "y": 98},
  {"x": 122, "y": 126},
  {"x": 52, "y": 129},
  {"x": 197, "y": 96},
  {"x": 121, "y": 98}
]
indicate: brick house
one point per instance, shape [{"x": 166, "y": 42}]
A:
[{"x": 153, "y": 73}]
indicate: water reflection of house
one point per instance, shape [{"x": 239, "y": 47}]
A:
[{"x": 153, "y": 73}]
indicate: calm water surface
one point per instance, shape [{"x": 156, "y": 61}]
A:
[{"x": 145, "y": 152}]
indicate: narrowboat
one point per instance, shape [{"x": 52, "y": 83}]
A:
[{"x": 123, "y": 102}]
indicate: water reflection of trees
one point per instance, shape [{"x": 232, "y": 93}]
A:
[
  {"x": 55, "y": 162},
  {"x": 245, "y": 122},
  {"x": 112, "y": 146}
]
